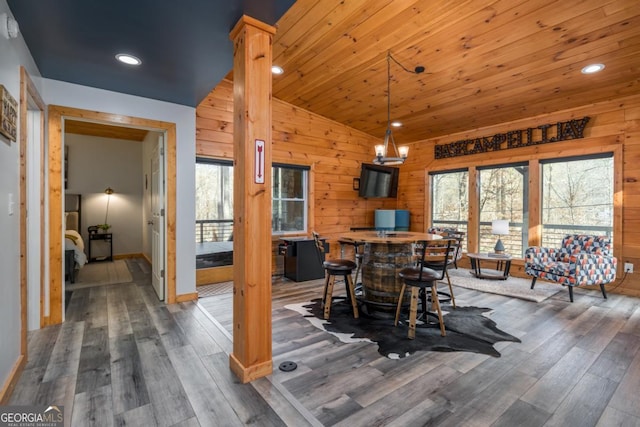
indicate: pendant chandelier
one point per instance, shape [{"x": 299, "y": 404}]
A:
[{"x": 382, "y": 150}]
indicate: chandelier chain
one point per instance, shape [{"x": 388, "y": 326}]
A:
[{"x": 382, "y": 150}]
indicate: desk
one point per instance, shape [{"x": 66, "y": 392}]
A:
[
  {"x": 384, "y": 257},
  {"x": 503, "y": 264}
]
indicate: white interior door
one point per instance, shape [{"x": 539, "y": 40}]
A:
[
  {"x": 157, "y": 218},
  {"x": 34, "y": 215}
]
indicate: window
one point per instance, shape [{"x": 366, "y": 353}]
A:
[
  {"x": 571, "y": 203},
  {"x": 289, "y": 192},
  {"x": 450, "y": 200},
  {"x": 504, "y": 195},
  {"x": 214, "y": 213}
]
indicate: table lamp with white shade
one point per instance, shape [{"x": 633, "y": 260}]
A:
[{"x": 499, "y": 227}]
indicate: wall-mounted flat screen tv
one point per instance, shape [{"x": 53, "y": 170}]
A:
[{"x": 378, "y": 181}]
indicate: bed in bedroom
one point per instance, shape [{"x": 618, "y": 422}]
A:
[{"x": 74, "y": 255}]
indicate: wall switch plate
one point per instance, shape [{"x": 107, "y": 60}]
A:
[
  {"x": 11, "y": 204},
  {"x": 628, "y": 267}
]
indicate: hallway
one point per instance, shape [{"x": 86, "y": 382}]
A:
[{"x": 124, "y": 358}]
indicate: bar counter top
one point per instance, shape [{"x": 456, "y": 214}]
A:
[{"x": 390, "y": 237}]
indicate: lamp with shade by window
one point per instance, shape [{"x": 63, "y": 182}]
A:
[{"x": 500, "y": 227}]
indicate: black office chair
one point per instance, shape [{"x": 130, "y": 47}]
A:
[
  {"x": 434, "y": 258},
  {"x": 333, "y": 268}
]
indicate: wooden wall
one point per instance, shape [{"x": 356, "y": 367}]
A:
[
  {"x": 614, "y": 127},
  {"x": 333, "y": 151}
]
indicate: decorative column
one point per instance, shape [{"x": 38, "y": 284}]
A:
[{"x": 252, "y": 249}]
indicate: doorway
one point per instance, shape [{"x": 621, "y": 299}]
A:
[{"x": 57, "y": 117}]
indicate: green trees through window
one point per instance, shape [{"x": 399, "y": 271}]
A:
[
  {"x": 289, "y": 210},
  {"x": 503, "y": 195},
  {"x": 576, "y": 198},
  {"x": 450, "y": 200}
]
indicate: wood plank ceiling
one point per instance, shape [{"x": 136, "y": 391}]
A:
[
  {"x": 104, "y": 130},
  {"x": 486, "y": 62}
]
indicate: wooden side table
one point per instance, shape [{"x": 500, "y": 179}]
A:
[
  {"x": 105, "y": 237},
  {"x": 501, "y": 272}
]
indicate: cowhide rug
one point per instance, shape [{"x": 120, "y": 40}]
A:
[{"x": 467, "y": 329}]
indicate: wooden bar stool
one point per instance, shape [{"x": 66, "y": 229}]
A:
[
  {"x": 333, "y": 268},
  {"x": 431, "y": 267},
  {"x": 358, "y": 249}
]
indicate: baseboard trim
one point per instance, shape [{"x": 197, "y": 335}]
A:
[
  {"x": 128, "y": 256},
  {"x": 12, "y": 380},
  {"x": 249, "y": 373},
  {"x": 206, "y": 276},
  {"x": 193, "y": 296}
]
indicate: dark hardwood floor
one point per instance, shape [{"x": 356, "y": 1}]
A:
[
  {"x": 578, "y": 365},
  {"x": 124, "y": 358}
]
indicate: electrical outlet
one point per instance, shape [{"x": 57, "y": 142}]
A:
[{"x": 628, "y": 267}]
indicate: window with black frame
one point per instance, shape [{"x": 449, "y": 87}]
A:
[
  {"x": 504, "y": 196},
  {"x": 571, "y": 204},
  {"x": 450, "y": 201}
]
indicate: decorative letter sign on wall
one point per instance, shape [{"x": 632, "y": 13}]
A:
[
  {"x": 560, "y": 131},
  {"x": 259, "y": 169},
  {"x": 8, "y": 114}
]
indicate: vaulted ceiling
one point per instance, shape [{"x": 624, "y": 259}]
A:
[{"x": 486, "y": 62}]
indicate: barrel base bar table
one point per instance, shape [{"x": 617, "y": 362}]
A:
[{"x": 384, "y": 256}]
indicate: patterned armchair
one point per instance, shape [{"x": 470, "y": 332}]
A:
[{"x": 581, "y": 260}]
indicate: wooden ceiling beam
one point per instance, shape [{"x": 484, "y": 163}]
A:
[{"x": 104, "y": 131}]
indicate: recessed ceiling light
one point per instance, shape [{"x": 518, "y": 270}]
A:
[
  {"x": 276, "y": 70},
  {"x": 128, "y": 59},
  {"x": 396, "y": 124},
  {"x": 592, "y": 68}
]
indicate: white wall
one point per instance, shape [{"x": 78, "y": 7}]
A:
[
  {"x": 76, "y": 96},
  {"x": 96, "y": 163},
  {"x": 13, "y": 54}
]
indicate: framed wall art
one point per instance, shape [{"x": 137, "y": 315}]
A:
[{"x": 8, "y": 114}]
